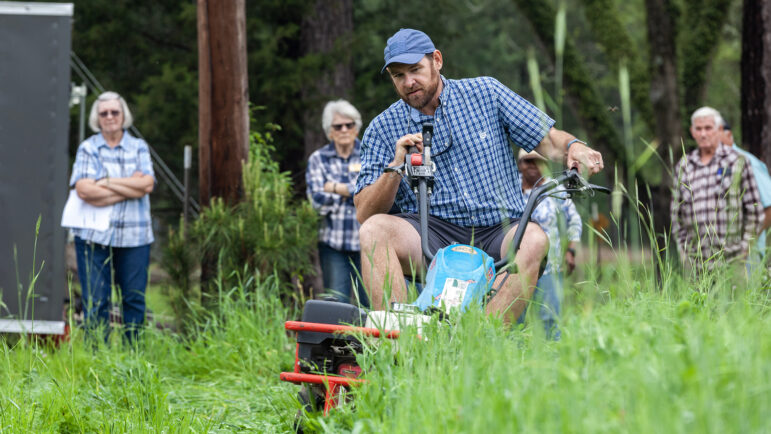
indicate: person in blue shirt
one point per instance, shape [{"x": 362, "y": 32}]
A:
[
  {"x": 477, "y": 193},
  {"x": 113, "y": 168},
  {"x": 762, "y": 178},
  {"x": 331, "y": 179}
]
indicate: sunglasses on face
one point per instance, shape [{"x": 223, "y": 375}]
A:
[
  {"x": 114, "y": 113},
  {"x": 339, "y": 127}
]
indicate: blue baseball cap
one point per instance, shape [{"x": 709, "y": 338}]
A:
[{"x": 407, "y": 46}]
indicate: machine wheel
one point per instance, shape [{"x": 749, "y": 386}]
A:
[{"x": 312, "y": 400}]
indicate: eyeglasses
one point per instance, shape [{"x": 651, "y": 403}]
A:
[
  {"x": 114, "y": 113},
  {"x": 339, "y": 127}
]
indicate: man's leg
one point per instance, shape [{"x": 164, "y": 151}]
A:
[
  {"x": 512, "y": 299},
  {"x": 390, "y": 246}
]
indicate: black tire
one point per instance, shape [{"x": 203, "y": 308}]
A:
[{"x": 312, "y": 401}]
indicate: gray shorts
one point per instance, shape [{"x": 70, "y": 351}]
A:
[{"x": 442, "y": 233}]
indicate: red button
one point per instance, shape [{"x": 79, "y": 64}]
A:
[{"x": 416, "y": 159}]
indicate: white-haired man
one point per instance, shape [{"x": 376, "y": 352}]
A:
[{"x": 716, "y": 211}]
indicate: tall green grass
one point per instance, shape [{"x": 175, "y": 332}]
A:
[
  {"x": 636, "y": 355},
  {"x": 633, "y": 358},
  {"x": 222, "y": 377}
]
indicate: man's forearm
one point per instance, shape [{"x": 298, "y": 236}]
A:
[
  {"x": 554, "y": 145},
  {"x": 766, "y": 218},
  {"x": 377, "y": 198}
]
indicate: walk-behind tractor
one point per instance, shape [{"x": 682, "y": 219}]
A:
[{"x": 459, "y": 277}]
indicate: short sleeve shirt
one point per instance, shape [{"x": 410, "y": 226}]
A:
[
  {"x": 478, "y": 127},
  {"x": 130, "y": 222}
]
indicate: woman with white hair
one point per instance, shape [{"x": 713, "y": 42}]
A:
[
  {"x": 113, "y": 168},
  {"x": 331, "y": 182}
]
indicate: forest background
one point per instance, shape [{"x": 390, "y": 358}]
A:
[{"x": 677, "y": 54}]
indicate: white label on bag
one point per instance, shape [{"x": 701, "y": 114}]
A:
[{"x": 453, "y": 293}]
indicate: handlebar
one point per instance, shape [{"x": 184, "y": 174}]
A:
[{"x": 574, "y": 184}]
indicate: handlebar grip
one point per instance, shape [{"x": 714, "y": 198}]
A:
[
  {"x": 428, "y": 134},
  {"x": 600, "y": 188}
]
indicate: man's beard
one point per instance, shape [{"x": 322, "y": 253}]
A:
[{"x": 428, "y": 92}]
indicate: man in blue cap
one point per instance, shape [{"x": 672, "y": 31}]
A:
[{"x": 477, "y": 192}]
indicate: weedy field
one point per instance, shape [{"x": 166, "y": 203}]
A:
[{"x": 636, "y": 355}]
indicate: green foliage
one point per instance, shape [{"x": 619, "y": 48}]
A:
[
  {"x": 213, "y": 380},
  {"x": 577, "y": 78},
  {"x": 636, "y": 355},
  {"x": 610, "y": 34},
  {"x": 267, "y": 233},
  {"x": 632, "y": 359}
]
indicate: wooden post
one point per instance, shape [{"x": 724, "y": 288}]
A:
[
  {"x": 223, "y": 112},
  {"x": 223, "y": 116}
]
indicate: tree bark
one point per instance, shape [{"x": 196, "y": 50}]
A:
[
  {"x": 326, "y": 36},
  {"x": 703, "y": 21},
  {"x": 223, "y": 111},
  {"x": 665, "y": 100},
  {"x": 756, "y": 78}
]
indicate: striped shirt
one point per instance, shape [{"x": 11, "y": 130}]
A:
[
  {"x": 548, "y": 214},
  {"x": 477, "y": 180},
  {"x": 339, "y": 228},
  {"x": 130, "y": 222},
  {"x": 715, "y": 206}
]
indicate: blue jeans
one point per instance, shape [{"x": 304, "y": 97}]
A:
[
  {"x": 98, "y": 267},
  {"x": 340, "y": 270},
  {"x": 548, "y": 297}
]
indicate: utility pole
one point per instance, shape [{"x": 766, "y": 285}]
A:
[
  {"x": 223, "y": 95},
  {"x": 223, "y": 110}
]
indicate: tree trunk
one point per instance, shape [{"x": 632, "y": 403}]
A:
[
  {"x": 223, "y": 112},
  {"x": 702, "y": 23},
  {"x": 327, "y": 32},
  {"x": 665, "y": 100},
  {"x": 756, "y": 78}
]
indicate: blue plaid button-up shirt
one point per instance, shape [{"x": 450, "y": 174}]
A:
[
  {"x": 339, "y": 228},
  {"x": 130, "y": 222},
  {"x": 477, "y": 180}
]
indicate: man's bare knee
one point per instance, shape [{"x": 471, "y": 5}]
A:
[{"x": 536, "y": 243}]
